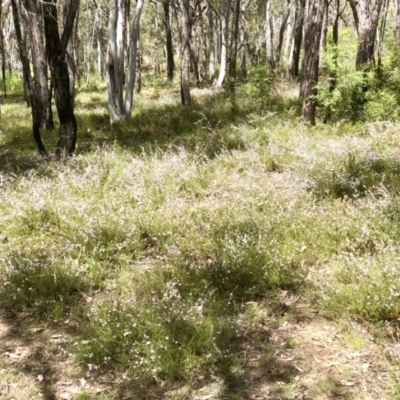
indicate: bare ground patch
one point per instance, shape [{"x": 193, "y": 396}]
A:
[{"x": 290, "y": 353}]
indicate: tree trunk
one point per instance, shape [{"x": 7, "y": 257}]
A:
[
  {"x": 211, "y": 39},
  {"x": 69, "y": 58},
  {"x": 281, "y": 34},
  {"x": 234, "y": 44},
  {"x": 397, "y": 32},
  {"x": 367, "y": 15},
  {"x": 335, "y": 56},
  {"x": 40, "y": 73},
  {"x": 3, "y": 52},
  {"x": 244, "y": 51},
  {"x": 89, "y": 49},
  {"x": 381, "y": 35},
  {"x": 27, "y": 79},
  {"x": 138, "y": 83},
  {"x": 293, "y": 72},
  {"x": 225, "y": 12},
  {"x": 57, "y": 49},
  {"x": 185, "y": 53},
  {"x": 168, "y": 31},
  {"x": 115, "y": 61},
  {"x": 353, "y": 6},
  {"x": 204, "y": 49},
  {"x": 269, "y": 36},
  {"x": 324, "y": 35},
  {"x": 100, "y": 46},
  {"x": 289, "y": 34},
  {"x": 133, "y": 47},
  {"x": 194, "y": 59},
  {"x": 309, "y": 75}
]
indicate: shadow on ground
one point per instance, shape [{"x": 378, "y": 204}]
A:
[
  {"x": 210, "y": 125},
  {"x": 35, "y": 362}
]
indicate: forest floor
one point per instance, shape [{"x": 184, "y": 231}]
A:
[
  {"x": 295, "y": 354},
  {"x": 231, "y": 186}
]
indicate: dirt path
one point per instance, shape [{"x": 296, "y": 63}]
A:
[{"x": 290, "y": 353}]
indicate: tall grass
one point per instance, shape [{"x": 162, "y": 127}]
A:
[{"x": 154, "y": 237}]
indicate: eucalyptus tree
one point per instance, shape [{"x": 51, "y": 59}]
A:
[
  {"x": 333, "y": 75},
  {"x": 293, "y": 71},
  {"x": 168, "y": 34},
  {"x": 397, "y": 30},
  {"x": 269, "y": 36},
  {"x": 310, "y": 65},
  {"x": 212, "y": 54},
  {"x": 36, "y": 114},
  {"x": 366, "y": 18},
  {"x": 57, "y": 52},
  {"x": 284, "y": 24},
  {"x": 234, "y": 41},
  {"x": 34, "y": 24},
  {"x": 120, "y": 108},
  {"x": 185, "y": 53},
  {"x": 223, "y": 16},
  {"x": 381, "y": 33},
  {"x": 3, "y": 52}
]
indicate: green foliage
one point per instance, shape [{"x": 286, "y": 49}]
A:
[
  {"x": 345, "y": 101},
  {"x": 13, "y": 83},
  {"x": 357, "y": 95},
  {"x": 258, "y": 86},
  {"x": 382, "y": 104}
]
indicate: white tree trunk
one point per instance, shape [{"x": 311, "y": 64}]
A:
[
  {"x": 115, "y": 61},
  {"x": 225, "y": 11},
  {"x": 289, "y": 34},
  {"x": 212, "y": 59},
  {"x": 130, "y": 85},
  {"x": 269, "y": 44}
]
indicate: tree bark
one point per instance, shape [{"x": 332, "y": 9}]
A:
[
  {"x": 324, "y": 34},
  {"x": 289, "y": 33},
  {"x": 185, "y": 53},
  {"x": 100, "y": 41},
  {"x": 335, "y": 56},
  {"x": 211, "y": 39},
  {"x": 169, "y": 48},
  {"x": 244, "y": 51},
  {"x": 309, "y": 76},
  {"x": 234, "y": 44},
  {"x": 281, "y": 34},
  {"x": 115, "y": 61},
  {"x": 293, "y": 72},
  {"x": 138, "y": 83},
  {"x": 133, "y": 47},
  {"x": 397, "y": 31},
  {"x": 381, "y": 34},
  {"x": 57, "y": 49},
  {"x": 269, "y": 37},
  {"x": 34, "y": 23},
  {"x": 366, "y": 16},
  {"x": 3, "y": 52},
  {"x": 36, "y": 120},
  {"x": 353, "y": 6},
  {"x": 224, "y": 20},
  {"x": 70, "y": 51}
]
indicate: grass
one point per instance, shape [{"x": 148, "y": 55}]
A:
[{"x": 155, "y": 235}]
